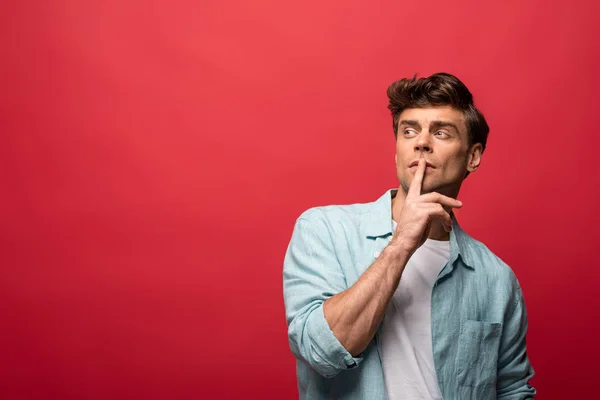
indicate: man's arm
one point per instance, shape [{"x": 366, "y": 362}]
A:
[
  {"x": 514, "y": 368},
  {"x": 355, "y": 314},
  {"x": 329, "y": 324}
]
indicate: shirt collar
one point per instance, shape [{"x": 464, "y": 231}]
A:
[{"x": 378, "y": 223}]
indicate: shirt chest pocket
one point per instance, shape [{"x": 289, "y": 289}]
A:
[{"x": 478, "y": 346}]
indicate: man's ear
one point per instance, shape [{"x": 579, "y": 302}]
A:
[
  {"x": 474, "y": 157},
  {"x": 396, "y": 158}
]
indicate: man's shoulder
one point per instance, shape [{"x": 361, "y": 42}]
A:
[
  {"x": 492, "y": 265},
  {"x": 337, "y": 213}
]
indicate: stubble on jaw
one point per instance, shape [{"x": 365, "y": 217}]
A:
[{"x": 446, "y": 190}]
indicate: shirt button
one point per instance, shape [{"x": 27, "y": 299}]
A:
[{"x": 377, "y": 254}]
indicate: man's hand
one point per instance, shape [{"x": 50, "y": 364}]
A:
[{"x": 418, "y": 211}]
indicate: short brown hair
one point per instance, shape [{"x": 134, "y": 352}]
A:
[{"x": 439, "y": 89}]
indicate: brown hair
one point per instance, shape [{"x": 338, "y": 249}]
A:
[{"x": 439, "y": 89}]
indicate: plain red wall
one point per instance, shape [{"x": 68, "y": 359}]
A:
[{"x": 155, "y": 155}]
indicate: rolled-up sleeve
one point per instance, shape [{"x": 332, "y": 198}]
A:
[
  {"x": 311, "y": 275},
  {"x": 514, "y": 369}
]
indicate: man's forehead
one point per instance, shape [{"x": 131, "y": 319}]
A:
[{"x": 425, "y": 115}]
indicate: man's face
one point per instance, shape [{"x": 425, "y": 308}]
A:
[{"x": 439, "y": 135}]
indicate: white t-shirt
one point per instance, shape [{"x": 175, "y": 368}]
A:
[{"x": 407, "y": 352}]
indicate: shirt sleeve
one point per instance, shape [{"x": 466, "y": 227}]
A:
[
  {"x": 514, "y": 368},
  {"x": 311, "y": 275}
]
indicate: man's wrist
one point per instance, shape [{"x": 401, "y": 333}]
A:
[{"x": 397, "y": 253}]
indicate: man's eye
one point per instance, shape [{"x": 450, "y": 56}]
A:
[
  {"x": 409, "y": 132},
  {"x": 441, "y": 133}
]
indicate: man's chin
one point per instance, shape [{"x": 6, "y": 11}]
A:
[
  {"x": 430, "y": 187},
  {"x": 426, "y": 190}
]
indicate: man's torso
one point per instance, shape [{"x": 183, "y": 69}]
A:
[{"x": 468, "y": 301}]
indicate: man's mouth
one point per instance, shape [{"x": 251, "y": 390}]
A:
[{"x": 416, "y": 163}]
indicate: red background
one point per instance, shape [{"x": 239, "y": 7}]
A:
[{"x": 155, "y": 155}]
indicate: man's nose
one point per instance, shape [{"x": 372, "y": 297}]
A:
[{"x": 423, "y": 142}]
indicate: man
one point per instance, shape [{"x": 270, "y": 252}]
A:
[{"x": 392, "y": 299}]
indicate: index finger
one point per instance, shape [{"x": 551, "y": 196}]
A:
[{"x": 415, "y": 187}]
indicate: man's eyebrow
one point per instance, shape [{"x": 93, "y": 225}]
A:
[
  {"x": 443, "y": 124},
  {"x": 410, "y": 122}
]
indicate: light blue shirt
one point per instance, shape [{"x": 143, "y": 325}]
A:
[{"x": 478, "y": 316}]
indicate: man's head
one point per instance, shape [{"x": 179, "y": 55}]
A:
[{"x": 434, "y": 118}]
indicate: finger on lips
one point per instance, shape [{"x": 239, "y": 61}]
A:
[{"x": 415, "y": 187}]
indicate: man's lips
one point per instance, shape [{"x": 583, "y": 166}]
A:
[{"x": 416, "y": 163}]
